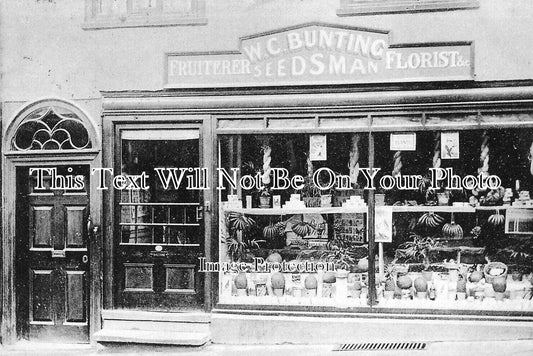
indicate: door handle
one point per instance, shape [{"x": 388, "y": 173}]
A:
[
  {"x": 89, "y": 224},
  {"x": 85, "y": 259}
]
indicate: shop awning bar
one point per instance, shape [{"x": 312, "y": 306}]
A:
[{"x": 115, "y": 103}]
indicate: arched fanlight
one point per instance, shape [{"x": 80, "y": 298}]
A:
[{"x": 51, "y": 128}]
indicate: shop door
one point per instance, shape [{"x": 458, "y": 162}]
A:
[
  {"x": 53, "y": 257},
  {"x": 160, "y": 232}
]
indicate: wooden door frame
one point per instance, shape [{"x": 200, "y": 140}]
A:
[
  {"x": 112, "y": 125},
  {"x": 10, "y": 163}
]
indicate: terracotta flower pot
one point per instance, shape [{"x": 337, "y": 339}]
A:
[
  {"x": 422, "y": 295},
  {"x": 264, "y": 202},
  {"x": 476, "y": 276},
  {"x": 278, "y": 292},
  {"x": 499, "y": 284},
  {"x": 278, "y": 281},
  {"x": 311, "y": 292}
]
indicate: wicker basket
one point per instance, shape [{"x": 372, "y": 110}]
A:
[{"x": 491, "y": 265}]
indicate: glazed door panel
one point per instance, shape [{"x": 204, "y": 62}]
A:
[
  {"x": 160, "y": 234},
  {"x": 54, "y": 255}
]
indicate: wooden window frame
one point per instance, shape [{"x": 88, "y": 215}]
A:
[
  {"x": 373, "y": 7},
  {"x": 155, "y": 17}
]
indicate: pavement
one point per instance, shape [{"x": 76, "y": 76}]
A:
[{"x": 482, "y": 348}]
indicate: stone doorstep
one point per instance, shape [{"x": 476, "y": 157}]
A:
[
  {"x": 150, "y": 325},
  {"x": 136, "y": 315},
  {"x": 151, "y": 337}
]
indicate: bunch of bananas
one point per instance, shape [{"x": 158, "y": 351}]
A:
[
  {"x": 239, "y": 221},
  {"x": 430, "y": 219},
  {"x": 496, "y": 219},
  {"x": 302, "y": 229},
  {"x": 452, "y": 230},
  {"x": 270, "y": 231}
]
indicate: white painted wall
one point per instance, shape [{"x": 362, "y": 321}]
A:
[{"x": 45, "y": 51}]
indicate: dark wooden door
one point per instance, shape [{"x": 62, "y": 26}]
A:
[
  {"x": 53, "y": 258},
  {"x": 159, "y": 233}
]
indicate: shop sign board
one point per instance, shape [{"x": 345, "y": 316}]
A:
[{"x": 314, "y": 54}]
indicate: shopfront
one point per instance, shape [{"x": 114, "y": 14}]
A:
[{"x": 291, "y": 132}]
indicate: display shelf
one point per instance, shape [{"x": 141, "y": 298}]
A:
[
  {"x": 281, "y": 211},
  {"x": 502, "y": 207},
  {"x": 478, "y": 250},
  {"x": 433, "y": 208}
]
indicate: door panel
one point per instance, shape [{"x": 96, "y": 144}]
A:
[
  {"x": 159, "y": 232},
  {"x": 42, "y": 226},
  {"x": 76, "y": 227},
  {"x": 75, "y": 305},
  {"x": 41, "y": 299},
  {"x": 52, "y": 254}
]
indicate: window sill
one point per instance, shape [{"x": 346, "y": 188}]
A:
[
  {"x": 109, "y": 23},
  {"x": 355, "y": 8}
]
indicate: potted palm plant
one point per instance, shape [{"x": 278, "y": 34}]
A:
[
  {"x": 417, "y": 251},
  {"x": 238, "y": 240}
]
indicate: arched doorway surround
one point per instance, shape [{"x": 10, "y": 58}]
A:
[{"x": 50, "y": 238}]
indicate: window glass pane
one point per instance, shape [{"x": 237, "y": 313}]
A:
[
  {"x": 164, "y": 211},
  {"x": 466, "y": 249},
  {"x": 303, "y": 227},
  {"x": 180, "y": 6}
]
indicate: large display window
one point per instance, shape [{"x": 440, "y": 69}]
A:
[
  {"x": 462, "y": 238},
  {"x": 453, "y": 218},
  {"x": 289, "y": 239}
]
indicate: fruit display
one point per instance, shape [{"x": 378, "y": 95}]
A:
[
  {"x": 270, "y": 231},
  {"x": 274, "y": 258},
  {"x": 390, "y": 285},
  {"x": 496, "y": 219},
  {"x": 329, "y": 277},
  {"x": 404, "y": 282},
  {"x": 493, "y": 197},
  {"x": 302, "y": 228},
  {"x": 241, "y": 282},
  {"x": 421, "y": 285},
  {"x": 278, "y": 280},
  {"x": 433, "y": 253},
  {"x": 430, "y": 219},
  {"x": 362, "y": 264},
  {"x": 476, "y": 276},
  {"x": 310, "y": 282},
  {"x": 240, "y": 221},
  {"x": 452, "y": 230}
]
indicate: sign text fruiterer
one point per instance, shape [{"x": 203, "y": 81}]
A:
[{"x": 320, "y": 54}]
